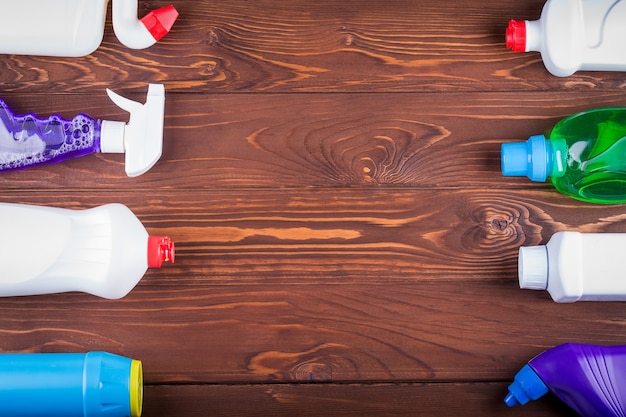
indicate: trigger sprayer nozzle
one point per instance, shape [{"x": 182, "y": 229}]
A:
[{"x": 141, "y": 139}]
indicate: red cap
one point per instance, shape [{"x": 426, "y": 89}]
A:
[
  {"x": 160, "y": 21},
  {"x": 160, "y": 249},
  {"x": 516, "y": 35}
]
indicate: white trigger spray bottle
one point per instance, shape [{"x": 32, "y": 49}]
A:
[
  {"x": 103, "y": 251},
  {"x": 27, "y": 140},
  {"x": 73, "y": 28}
]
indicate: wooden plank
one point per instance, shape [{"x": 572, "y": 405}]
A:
[
  {"x": 346, "y": 235},
  {"x": 423, "y": 332},
  {"x": 339, "y": 400},
  {"x": 320, "y": 46},
  {"x": 308, "y": 140},
  {"x": 327, "y": 285},
  {"x": 346, "y": 243}
]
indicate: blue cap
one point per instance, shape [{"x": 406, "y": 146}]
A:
[
  {"x": 530, "y": 158},
  {"x": 112, "y": 386},
  {"x": 526, "y": 386}
]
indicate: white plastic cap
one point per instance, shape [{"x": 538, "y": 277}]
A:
[
  {"x": 141, "y": 139},
  {"x": 533, "y": 267},
  {"x": 139, "y": 34},
  {"x": 113, "y": 132}
]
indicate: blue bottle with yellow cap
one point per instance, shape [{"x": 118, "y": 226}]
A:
[
  {"x": 584, "y": 155},
  {"x": 94, "y": 384}
]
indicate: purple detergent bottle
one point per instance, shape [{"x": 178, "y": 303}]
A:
[
  {"x": 591, "y": 379},
  {"x": 26, "y": 140}
]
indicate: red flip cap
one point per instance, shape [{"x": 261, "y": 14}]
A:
[
  {"x": 160, "y": 249},
  {"x": 160, "y": 21},
  {"x": 516, "y": 35}
]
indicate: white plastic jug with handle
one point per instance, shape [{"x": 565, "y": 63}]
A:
[
  {"x": 73, "y": 28},
  {"x": 574, "y": 35}
]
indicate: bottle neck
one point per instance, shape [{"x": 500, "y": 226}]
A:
[
  {"x": 557, "y": 156},
  {"x": 547, "y": 158},
  {"x": 524, "y": 35},
  {"x": 533, "y": 36},
  {"x": 526, "y": 386}
]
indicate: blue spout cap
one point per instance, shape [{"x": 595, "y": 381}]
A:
[
  {"x": 526, "y": 386},
  {"x": 530, "y": 158}
]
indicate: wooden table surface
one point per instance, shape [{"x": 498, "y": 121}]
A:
[{"x": 346, "y": 243}]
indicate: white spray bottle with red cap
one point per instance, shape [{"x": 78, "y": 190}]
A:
[
  {"x": 75, "y": 28},
  {"x": 574, "y": 35},
  {"x": 103, "y": 251}
]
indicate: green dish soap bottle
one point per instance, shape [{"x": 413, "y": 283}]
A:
[{"x": 584, "y": 155}]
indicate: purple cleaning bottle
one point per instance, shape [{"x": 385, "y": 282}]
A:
[
  {"x": 26, "y": 140},
  {"x": 591, "y": 379}
]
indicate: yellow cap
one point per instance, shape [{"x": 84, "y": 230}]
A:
[{"x": 136, "y": 388}]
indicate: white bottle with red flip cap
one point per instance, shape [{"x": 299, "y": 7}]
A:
[
  {"x": 103, "y": 251},
  {"x": 574, "y": 35},
  {"x": 73, "y": 28}
]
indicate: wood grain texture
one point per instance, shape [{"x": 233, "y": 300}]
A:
[
  {"x": 348, "y": 46},
  {"x": 449, "y": 332},
  {"x": 339, "y": 400},
  {"x": 328, "y": 286},
  {"x": 347, "y": 235},
  {"x": 315, "y": 140},
  {"x": 346, "y": 243}
]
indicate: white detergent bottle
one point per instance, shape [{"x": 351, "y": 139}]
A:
[
  {"x": 574, "y": 35},
  {"x": 73, "y": 28},
  {"x": 576, "y": 266},
  {"x": 103, "y": 251}
]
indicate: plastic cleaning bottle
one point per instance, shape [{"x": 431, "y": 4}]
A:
[
  {"x": 591, "y": 379},
  {"x": 584, "y": 155},
  {"x": 26, "y": 140},
  {"x": 103, "y": 251},
  {"x": 574, "y": 35},
  {"x": 73, "y": 28},
  {"x": 576, "y": 266},
  {"x": 93, "y": 384}
]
